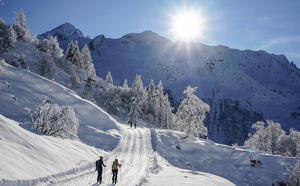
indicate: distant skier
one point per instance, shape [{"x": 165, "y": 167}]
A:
[
  {"x": 99, "y": 164},
  {"x": 134, "y": 112},
  {"x": 115, "y": 166}
]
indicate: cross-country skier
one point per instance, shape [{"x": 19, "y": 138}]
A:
[
  {"x": 115, "y": 166},
  {"x": 99, "y": 164}
]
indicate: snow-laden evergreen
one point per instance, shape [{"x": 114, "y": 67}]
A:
[
  {"x": 134, "y": 112},
  {"x": 8, "y": 36},
  {"x": 125, "y": 84},
  {"x": 138, "y": 88},
  {"x": 191, "y": 113},
  {"x": 21, "y": 26},
  {"x": 109, "y": 79},
  {"x": 87, "y": 62}
]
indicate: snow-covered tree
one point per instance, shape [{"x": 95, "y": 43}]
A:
[
  {"x": 162, "y": 108},
  {"x": 54, "y": 120},
  {"x": 151, "y": 98},
  {"x": 73, "y": 53},
  {"x": 21, "y": 26},
  {"x": 12, "y": 36},
  {"x": 292, "y": 175},
  {"x": 134, "y": 112},
  {"x": 87, "y": 62},
  {"x": 167, "y": 115},
  {"x": 266, "y": 138},
  {"x": 88, "y": 87},
  {"x": 286, "y": 146},
  {"x": 191, "y": 113},
  {"x": 125, "y": 84},
  {"x": 69, "y": 55},
  {"x": 109, "y": 79},
  {"x": 8, "y": 36},
  {"x": 77, "y": 58},
  {"x": 50, "y": 47},
  {"x": 295, "y": 137},
  {"x": 138, "y": 88}
]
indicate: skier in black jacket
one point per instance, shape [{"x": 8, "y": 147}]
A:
[{"x": 99, "y": 164}]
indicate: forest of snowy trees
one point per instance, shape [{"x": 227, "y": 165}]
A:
[{"x": 74, "y": 69}]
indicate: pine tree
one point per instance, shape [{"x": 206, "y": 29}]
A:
[
  {"x": 125, "y": 84},
  {"x": 12, "y": 36},
  {"x": 87, "y": 62},
  {"x": 159, "y": 104},
  {"x": 134, "y": 112},
  {"x": 191, "y": 114},
  {"x": 22, "y": 30},
  {"x": 151, "y": 98},
  {"x": 109, "y": 79},
  {"x": 69, "y": 55},
  {"x": 77, "y": 55},
  {"x": 138, "y": 88},
  {"x": 151, "y": 93},
  {"x": 168, "y": 116}
]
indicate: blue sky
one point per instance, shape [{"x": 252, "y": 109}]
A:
[{"x": 271, "y": 25}]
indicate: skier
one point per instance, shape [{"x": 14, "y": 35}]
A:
[
  {"x": 99, "y": 164},
  {"x": 114, "y": 169},
  {"x": 130, "y": 124}
]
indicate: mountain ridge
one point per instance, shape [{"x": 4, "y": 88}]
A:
[{"x": 260, "y": 82}]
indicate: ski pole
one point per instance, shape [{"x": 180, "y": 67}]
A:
[
  {"x": 103, "y": 174},
  {"x": 120, "y": 174}
]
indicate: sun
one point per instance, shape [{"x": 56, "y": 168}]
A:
[{"x": 186, "y": 25}]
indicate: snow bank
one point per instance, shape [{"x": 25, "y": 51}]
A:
[{"x": 228, "y": 162}]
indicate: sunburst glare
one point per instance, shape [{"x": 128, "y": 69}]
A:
[{"x": 187, "y": 24}]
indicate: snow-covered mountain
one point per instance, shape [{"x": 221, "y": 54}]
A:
[
  {"x": 148, "y": 156},
  {"x": 240, "y": 86}
]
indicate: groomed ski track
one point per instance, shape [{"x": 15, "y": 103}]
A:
[{"x": 134, "y": 152}]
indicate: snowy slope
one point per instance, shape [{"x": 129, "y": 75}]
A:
[
  {"x": 23, "y": 150},
  {"x": 203, "y": 157},
  {"x": 260, "y": 82}
]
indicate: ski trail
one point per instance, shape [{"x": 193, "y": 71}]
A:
[{"x": 133, "y": 152}]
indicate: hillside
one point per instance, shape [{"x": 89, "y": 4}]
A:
[
  {"x": 23, "y": 149},
  {"x": 241, "y": 87}
]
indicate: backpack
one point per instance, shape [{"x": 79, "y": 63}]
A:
[{"x": 115, "y": 165}]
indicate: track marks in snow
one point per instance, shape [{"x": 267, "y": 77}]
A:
[{"x": 134, "y": 152}]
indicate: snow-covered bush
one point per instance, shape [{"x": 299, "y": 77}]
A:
[
  {"x": 269, "y": 137},
  {"x": 50, "y": 47},
  {"x": 191, "y": 113},
  {"x": 291, "y": 177},
  {"x": 54, "y": 120}
]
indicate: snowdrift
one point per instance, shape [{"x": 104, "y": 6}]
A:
[
  {"x": 22, "y": 150},
  {"x": 231, "y": 163}
]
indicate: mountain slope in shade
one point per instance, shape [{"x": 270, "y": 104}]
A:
[{"x": 265, "y": 85}]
